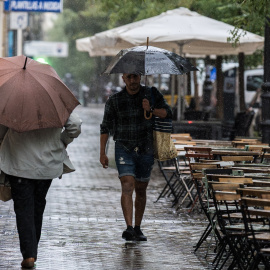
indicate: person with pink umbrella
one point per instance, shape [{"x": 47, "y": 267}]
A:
[{"x": 37, "y": 123}]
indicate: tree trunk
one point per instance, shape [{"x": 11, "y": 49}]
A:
[
  {"x": 220, "y": 103},
  {"x": 265, "y": 97},
  {"x": 241, "y": 69}
]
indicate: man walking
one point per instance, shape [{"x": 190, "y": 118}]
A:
[{"x": 133, "y": 136}]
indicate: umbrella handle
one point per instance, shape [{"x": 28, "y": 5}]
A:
[{"x": 147, "y": 117}]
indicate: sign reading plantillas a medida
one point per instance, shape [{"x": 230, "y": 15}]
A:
[{"x": 34, "y": 5}]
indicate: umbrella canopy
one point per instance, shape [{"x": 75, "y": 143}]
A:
[
  {"x": 148, "y": 60},
  {"x": 180, "y": 29},
  {"x": 32, "y": 96}
]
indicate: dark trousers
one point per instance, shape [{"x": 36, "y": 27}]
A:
[{"x": 29, "y": 205}]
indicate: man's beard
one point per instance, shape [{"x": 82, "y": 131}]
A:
[{"x": 134, "y": 87}]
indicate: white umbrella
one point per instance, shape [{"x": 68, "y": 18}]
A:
[{"x": 182, "y": 30}]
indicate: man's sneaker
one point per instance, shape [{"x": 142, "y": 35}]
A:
[
  {"x": 129, "y": 234},
  {"x": 139, "y": 236}
]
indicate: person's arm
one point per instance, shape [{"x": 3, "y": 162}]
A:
[
  {"x": 160, "y": 102},
  {"x": 72, "y": 129},
  {"x": 105, "y": 130},
  {"x": 160, "y": 107},
  {"x": 103, "y": 157},
  {"x": 161, "y": 113}
]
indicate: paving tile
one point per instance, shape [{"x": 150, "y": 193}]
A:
[{"x": 83, "y": 220}]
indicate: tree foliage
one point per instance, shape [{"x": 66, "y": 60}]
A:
[
  {"x": 125, "y": 11},
  {"x": 241, "y": 15},
  {"x": 79, "y": 19},
  {"x": 82, "y": 18},
  {"x": 245, "y": 14}
]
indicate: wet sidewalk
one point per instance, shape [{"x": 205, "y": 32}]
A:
[{"x": 83, "y": 220}]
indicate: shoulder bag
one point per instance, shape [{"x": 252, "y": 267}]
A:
[
  {"x": 5, "y": 190},
  {"x": 164, "y": 148}
]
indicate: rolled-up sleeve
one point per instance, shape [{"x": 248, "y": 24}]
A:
[
  {"x": 160, "y": 102},
  {"x": 72, "y": 129}
]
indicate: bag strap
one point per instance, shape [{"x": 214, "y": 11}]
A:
[{"x": 153, "y": 97}]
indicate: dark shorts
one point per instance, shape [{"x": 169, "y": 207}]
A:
[{"x": 136, "y": 163}]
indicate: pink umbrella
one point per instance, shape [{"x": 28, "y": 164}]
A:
[{"x": 32, "y": 95}]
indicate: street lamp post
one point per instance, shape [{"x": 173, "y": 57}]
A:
[{"x": 265, "y": 97}]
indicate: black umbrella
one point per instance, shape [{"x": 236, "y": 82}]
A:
[{"x": 148, "y": 60}]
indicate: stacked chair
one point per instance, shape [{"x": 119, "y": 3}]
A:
[
  {"x": 228, "y": 213},
  {"x": 207, "y": 206},
  {"x": 231, "y": 186},
  {"x": 170, "y": 172},
  {"x": 242, "y": 217},
  {"x": 175, "y": 170},
  {"x": 194, "y": 156},
  {"x": 256, "y": 214}
]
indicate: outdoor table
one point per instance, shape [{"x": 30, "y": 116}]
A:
[
  {"x": 254, "y": 147},
  {"x": 236, "y": 152},
  {"x": 214, "y": 143},
  {"x": 239, "y": 143},
  {"x": 181, "y": 146},
  {"x": 217, "y": 176},
  {"x": 199, "y": 129},
  {"x": 260, "y": 178},
  {"x": 252, "y": 169},
  {"x": 225, "y": 148},
  {"x": 261, "y": 183},
  {"x": 258, "y": 191},
  {"x": 258, "y": 188},
  {"x": 254, "y": 165},
  {"x": 258, "y": 175},
  {"x": 221, "y": 163},
  {"x": 217, "y": 153}
]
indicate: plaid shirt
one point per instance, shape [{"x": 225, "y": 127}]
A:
[{"x": 124, "y": 117}]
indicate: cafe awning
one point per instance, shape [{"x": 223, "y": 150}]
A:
[{"x": 187, "y": 32}]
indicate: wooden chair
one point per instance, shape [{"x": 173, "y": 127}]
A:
[
  {"x": 197, "y": 173},
  {"x": 193, "y": 156},
  {"x": 173, "y": 171},
  {"x": 226, "y": 202},
  {"x": 170, "y": 173},
  {"x": 256, "y": 212},
  {"x": 265, "y": 156},
  {"x": 236, "y": 179},
  {"x": 207, "y": 206},
  {"x": 263, "y": 148}
]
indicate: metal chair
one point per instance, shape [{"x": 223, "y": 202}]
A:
[
  {"x": 232, "y": 246},
  {"x": 195, "y": 154},
  {"x": 207, "y": 205},
  {"x": 256, "y": 213},
  {"x": 170, "y": 174}
]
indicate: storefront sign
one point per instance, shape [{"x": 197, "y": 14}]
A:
[
  {"x": 34, "y": 5},
  {"x": 44, "y": 48}
]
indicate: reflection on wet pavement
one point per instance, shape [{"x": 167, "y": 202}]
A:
[{"x": 83, "y": 220}]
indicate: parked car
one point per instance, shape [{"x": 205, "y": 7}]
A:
[{"x": 253, "y": 80}]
